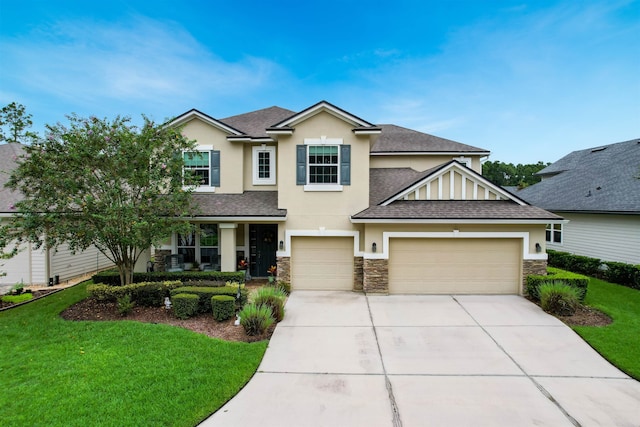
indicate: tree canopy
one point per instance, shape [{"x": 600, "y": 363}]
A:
[
  {"x": 508, "y": 174},
  {"x": 105, "y": 183},
  {"x": 14, "y": 122}
]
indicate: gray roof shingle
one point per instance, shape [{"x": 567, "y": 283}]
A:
[
  {"x": 255, "y": 123},
  {"x": 397, "y": 139},
  {"x": 600, "y": 179},
  {"x": 9, "y": 155},
  {"x": 456, "y": 210},
  {"x": 247, "y": 204}
]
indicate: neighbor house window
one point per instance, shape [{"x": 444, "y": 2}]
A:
[
  {"x": 323, "y": 164},
  {"x": 264, "y": 165},
  {"x": 554, "y": 233},
  {"x": 205, "y": 164}
]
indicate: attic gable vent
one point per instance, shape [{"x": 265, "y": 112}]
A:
[{"x": 595, "y": 150}]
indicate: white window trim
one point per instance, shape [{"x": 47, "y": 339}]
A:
[
  {"x": 464, "y": 160},
  {"x": 272, "y": 165},
  {"x": 203, "y": 188},
  {"x": 323, "y": 140},
  {"x": 550, "y": 228}
]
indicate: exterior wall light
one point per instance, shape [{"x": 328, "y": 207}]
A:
[
  {"x": 281, "y": 245},
  {"x": 374, "y": 247},
  {"x": 538, "y": 248}
]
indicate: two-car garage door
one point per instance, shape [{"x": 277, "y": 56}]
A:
[{"x": 454, "y": 266}]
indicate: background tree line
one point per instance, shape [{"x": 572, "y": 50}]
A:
[{"x": 508, "y": 174}]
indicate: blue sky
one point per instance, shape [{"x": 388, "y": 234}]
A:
[{"x": 528, "y": 80}]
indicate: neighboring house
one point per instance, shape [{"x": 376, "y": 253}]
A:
[
  {"x": 337, "y": 202},
  {"x": 38, "y": 266},
  {"x": 598, "y": 191}
]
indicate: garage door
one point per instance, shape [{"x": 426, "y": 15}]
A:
[
  {"x": 322, "y": 263},
  {"x": 454, "y": 266}
]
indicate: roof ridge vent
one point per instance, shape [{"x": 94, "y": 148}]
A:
[{"x": 595, "y": 150}]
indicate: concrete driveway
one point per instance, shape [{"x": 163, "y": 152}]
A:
[{"x": 346, "y": 359}]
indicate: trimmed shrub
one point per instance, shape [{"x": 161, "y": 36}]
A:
[
  {"x": 203, "y": 278},
  {"x": 577, "y": 281},
  {"x": 125, "y": 305},
  {"x": 558, "y": 298},
  {"x": 223, "y": 307},
  {"x": 255, "y": 319},
  {"x": 205, "y": 293},
  {"x": 184, "y": 305},
  {"x": 17, "y": 299},
  {"x": 148, "y": 294},
  {"x": 623, "y": 274},
  {"x": 273, "y": 298}
]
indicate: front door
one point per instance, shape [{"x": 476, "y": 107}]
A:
[{"x": 263, "y": 241}]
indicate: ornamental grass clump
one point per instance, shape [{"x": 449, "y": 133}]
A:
[
  {"x": 272, "y": 297},
  {"x": 256, "y": 319},
  {"x": 559, "y": 298}
]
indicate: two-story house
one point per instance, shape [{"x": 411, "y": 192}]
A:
[{"x": 338, "y": 203}]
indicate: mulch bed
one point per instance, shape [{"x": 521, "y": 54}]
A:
[
  {"x": 90, "y": 309},
  {"x": 586, "y": 316}
]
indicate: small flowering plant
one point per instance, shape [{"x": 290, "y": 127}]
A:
[
  {"x": 242, "y": 265},
  {"x": 272, "y": 270}
]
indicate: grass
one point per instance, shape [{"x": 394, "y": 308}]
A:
[
  {"x": 61, "y": 373},
  {"x": 618, "y": 342}
]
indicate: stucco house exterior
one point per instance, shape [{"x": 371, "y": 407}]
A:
[
  {"x": 598, "y": 191},
  {"x": 33, "y": 266},
  {"x": 339, "y": 203}
]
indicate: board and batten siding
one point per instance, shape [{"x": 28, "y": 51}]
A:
[
  {"x": 68, "y": 265},
  {"x": 603, "y": 236}
]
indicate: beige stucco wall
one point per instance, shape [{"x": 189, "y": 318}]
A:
[
  {"x": 231, "y": 153},
  {"x": 310, "y": 210},
  {"x": 419, "y": 162},
  {"x": 373, "y": 232}
]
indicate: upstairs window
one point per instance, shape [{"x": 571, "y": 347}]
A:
[
  {"x": 264, "y": 165},
  {"x": 323, "y": 164},
  {"x": 205, "y": 164},
  {"x": 554, "y": 233}
]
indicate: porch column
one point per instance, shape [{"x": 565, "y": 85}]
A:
[{"x": 228, "y": 246}]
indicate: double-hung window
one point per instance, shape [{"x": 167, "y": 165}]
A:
[
  {"x": 200, "y": 245},
  {"x": 205, "y": 164},
  {"x": 323, "y": 164},
  {"x": 554, "y": 233}
]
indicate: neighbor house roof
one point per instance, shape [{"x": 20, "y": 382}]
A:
[
  {"x": 600, "y": 179},
  {"x": 9, "y": 155},
  {"x": 248, "y": 204},
  {"x": 397, "y": 139}
]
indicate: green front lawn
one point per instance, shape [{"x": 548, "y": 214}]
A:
[
  {"x": 619, "y": 342},
  {"x": 61, "y": 373}
]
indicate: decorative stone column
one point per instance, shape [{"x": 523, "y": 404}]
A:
[
  {"x": 159, "y": 255},
  {"x": 532, "y": 266},
  {"x": 358, "y": 273},
  {"x": 376, "y": 276},
  {"x": 284, "y": 268}
]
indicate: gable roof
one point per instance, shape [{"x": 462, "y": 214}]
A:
[
  {"x": 9, "y": 155},
  {"x": 323, "y": 106},
  {"x": 397, "y": 139},
  {"x": 600, "y": 179},
  {"x": 193, "y": 114}
]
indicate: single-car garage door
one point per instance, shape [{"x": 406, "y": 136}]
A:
[
  {"x": 322, "y": 263},
  {"x": 454, "y": 266}
]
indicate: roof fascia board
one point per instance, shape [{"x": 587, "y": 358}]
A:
[
  {"x": 463, "y": 170},
  {"x": 319, "y": 107},
  {"x": 234, "y": 218},
  {"x": 455, "y": 221},
  {"x": 430, "y": 153},
  {"x": 195, "y": 114}
]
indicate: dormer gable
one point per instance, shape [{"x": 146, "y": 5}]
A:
[
  {"x": 287, "y": 126},
  {"x": 451, "y": 181},
  {"x": 194, "y": 114}
]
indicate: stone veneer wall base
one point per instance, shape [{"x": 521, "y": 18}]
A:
[
  {"x": 284, "y": 269},
  {"x": 375, "y": 276},
  {"x": 532, "y": 266}
]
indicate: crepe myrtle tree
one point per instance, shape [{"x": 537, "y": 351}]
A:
[{"x": 106, "y": 183}]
